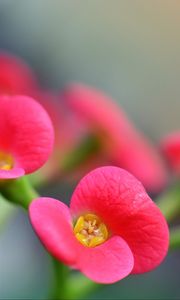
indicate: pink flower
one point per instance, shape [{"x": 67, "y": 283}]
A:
[
  {"x": 125, "y": 146},
  {"x": 171, "y": 147},
  {"x": 16, "y": 76},
  {"x": 26, "y": 136},
  {"x": 112, "y": 228},
  {"x": 65, "y": 129}
]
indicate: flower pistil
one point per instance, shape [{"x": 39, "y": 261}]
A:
[{"x": 90, "y": 231}]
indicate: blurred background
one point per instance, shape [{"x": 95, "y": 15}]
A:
[{"x": 129, "y": 49}]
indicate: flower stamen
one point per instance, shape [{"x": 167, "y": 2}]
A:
[
  {"x": 90, "y": 231},
  {"x": 6, "y": 161}
]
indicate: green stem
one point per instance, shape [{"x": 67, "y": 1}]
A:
[
  {"x": 68, "y": 286},
  {"x": 175, "y": 238},
  {"x": 87, "y": 147},
  {"x": 81, "y": 286},
  {"x": 169, "y": 203},
  {"x": 60, "y": 282},
  {"x": 6, "y": 210},
  {"x": 19, "y": 191}
]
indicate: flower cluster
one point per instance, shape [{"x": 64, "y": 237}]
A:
[
  {"x": 112, "y": 228},
  {"x": 79, "y": 111}
]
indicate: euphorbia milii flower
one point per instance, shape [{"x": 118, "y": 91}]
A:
[
  {"x": 171, "y": 147},
  {"x": 123, "y": 144},
  {"x": 26, "y": 136},
  {"x": 112, "y": 228},
  {"x": 16, "y": 77}
]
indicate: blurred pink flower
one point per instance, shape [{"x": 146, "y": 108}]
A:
[
  {"x": 170, "y": 145},
  {"x": 16, "y": 77},
  {"x": 26, "y": 136},
  {"x": 66, "y": 131},
  {"x": 112, "y": 228},
  {"x": 122, "y": 143}
]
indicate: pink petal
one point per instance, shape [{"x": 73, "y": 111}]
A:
[
  {"x": 10, "y": 174},
  {"x": 26, "y": 132},
  {"x": 16, "y": 77},
  {"x": 124, "y": 144},
  {"x": 107, "y": 263},
  {"x": 52, "y": 222},
  {"x": 121, "y": 201},
  {"x": 147, "y": 235},
  {"x": 143, "y": 160},
  {"x": 170, "y": 145}
]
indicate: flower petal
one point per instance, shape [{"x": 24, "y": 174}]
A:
[
  {"x": 107, "y": 263},
  {"x": 16, "y": 77},
  {"x": 10, "y": 174},
  {"x": 171, "y": 147},
  {"x": 26, "y": 132},
  {"x": 125, "y": 145},
  {"x": 52, "y": 222},
  {"x": 121, "y": 201},
  {"x": 147, "y": 235}
]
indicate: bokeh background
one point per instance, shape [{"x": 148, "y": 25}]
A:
[{"x": 128, "y": 48}]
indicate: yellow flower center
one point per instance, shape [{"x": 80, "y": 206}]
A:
[
  {"x": 6, "y": 161},
  {"x": 90, "y": 231}
]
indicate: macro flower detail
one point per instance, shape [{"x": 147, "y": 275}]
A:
[
  {"x": 90, "y": 231},
  {"x": 122, "y": 143},
  {"x": 26, "y": 136},
  {"x": 171, "y": 148},
  {"x": 111, "y": 230}
]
